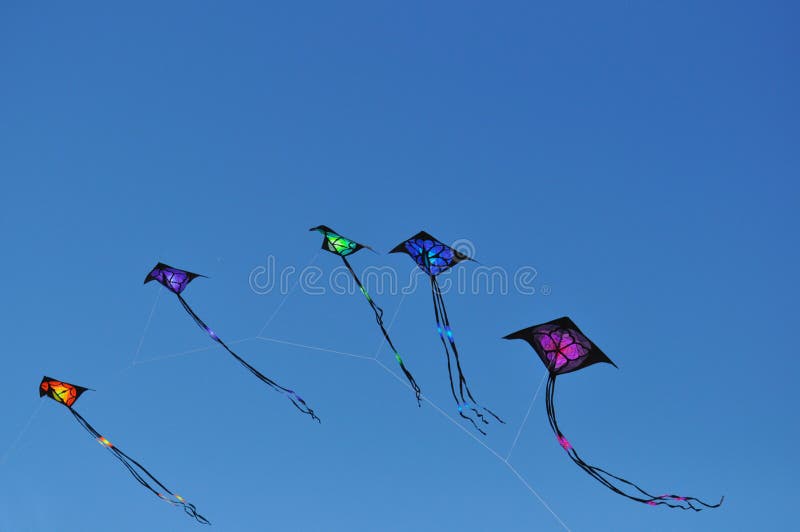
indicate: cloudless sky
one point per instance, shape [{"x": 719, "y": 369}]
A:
[{"x": 641, "y": 156}]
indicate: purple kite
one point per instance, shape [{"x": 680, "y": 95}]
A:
[
  {"x": 563, "y": 348},
  {"x": 176, "y": 281}
]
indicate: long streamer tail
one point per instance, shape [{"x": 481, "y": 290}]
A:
[
  {"x": 379, "y": 318},
  {"x": 140, "y": 473},
  {"x": 607, "y": 479},
  {"x": 463, "y": 397},
  {"x": 296, "y": 400}
]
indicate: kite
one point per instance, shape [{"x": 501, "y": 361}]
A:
[
  {"x": 339, "y": 245},
  {"x": 67, "y": 394},
  {"x": 175, "y": 281},
  {"x": 563, "y": 348},
  {"x": 434, "y": 257}
]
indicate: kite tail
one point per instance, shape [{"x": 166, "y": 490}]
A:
[
  {"x": 296, "y": 400},
  {"x": 140, "y": 473},
  {"x": 441, "y": 327},
  {"x": 463, "y": 388},
  {"x": 604, "y": 477},
  {"x": 379, "y": 318}
]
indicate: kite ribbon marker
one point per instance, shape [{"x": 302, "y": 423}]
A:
[
  {"x": 175, "y": 281},
  {"x": 339, "y": 245},
  {"x": 434, "y": 257},
  {"x": 563, "y": 348},
  {"x": 67, "y": 394}
]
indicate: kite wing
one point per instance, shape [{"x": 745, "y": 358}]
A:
[
  {"x": 431, "y": 255},
  {"x": 336, "y": 243},
  {"x": 59, "y": 391},
  {"x": 561, "y": 346},
  {"x": 173, "y": 279}
]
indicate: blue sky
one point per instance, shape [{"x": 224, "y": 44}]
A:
[{"x": 641, "y": 157}]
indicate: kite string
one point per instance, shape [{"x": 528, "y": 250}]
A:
[
  {"x": 436, "y": 407},
  {"x": 190, "y": 351},
  {"x": 497, "y": 455},
  {"x": 20, "y": 435},
  {"x": 527, "y": 414},
  {"x": 505, "y": 461},
  {"x": 146, "y": 327},
  {"x": 286, "y": 296},
  {"x": 313, "y": 347}
]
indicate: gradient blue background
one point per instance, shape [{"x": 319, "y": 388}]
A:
[{"x": 643, "y": 158}]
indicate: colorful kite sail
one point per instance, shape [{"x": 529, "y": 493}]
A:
[
  {"x": 563, "y": 348},
  {"x": 339, "y": 245},
  {"x": 434, "y": 257},
  {"x": 66, "y": 394},
  {"x": 175, "y": 281}
]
